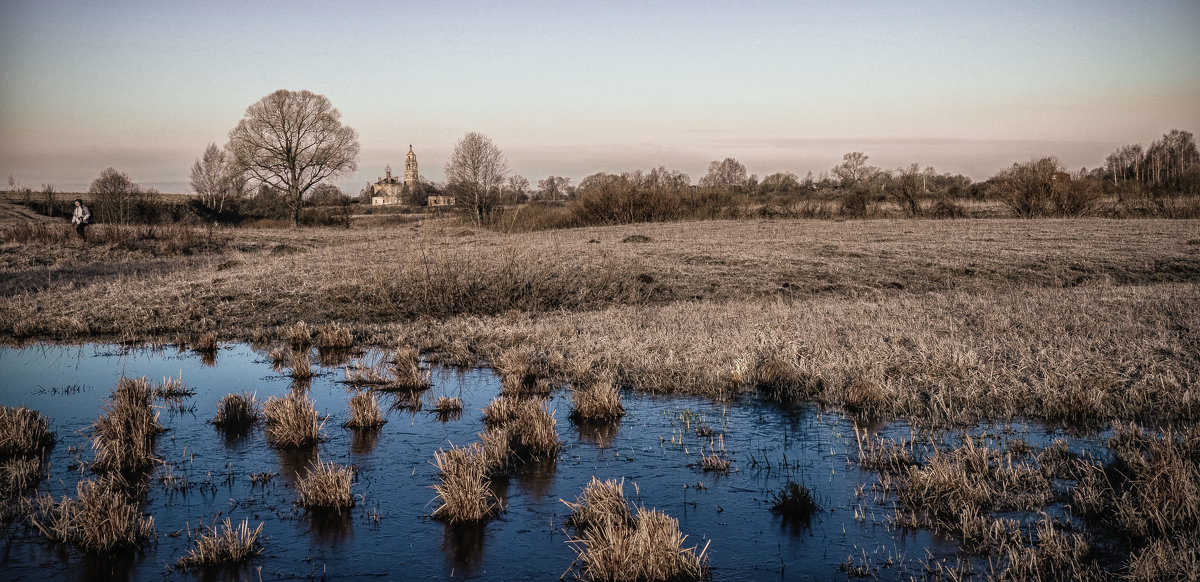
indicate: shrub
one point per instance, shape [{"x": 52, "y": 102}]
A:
[
  {"x": 101, "y": 518},
  {"x": 292, "y": 421},
  {"x": 238, "y": 410},
  {"x": 326, "y": 486},
  {"x": 225, "y": 545}
]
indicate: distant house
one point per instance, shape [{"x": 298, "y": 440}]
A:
[{"x": 440, "y": 201}]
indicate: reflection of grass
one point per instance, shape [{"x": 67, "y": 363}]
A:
[{"x": 223, "y": 545}]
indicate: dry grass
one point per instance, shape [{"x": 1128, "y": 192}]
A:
[
  {"x": 292, "y": 421},
  {"x": 123, "y": 436},
  {"x": 598, "y": 401},
  {"x": 223, "y": 545},
  {"x": 101, "y": 518},
  {"x": 18, "y": 475},
  {"x": 206, "y": 343},
  {"x": 448, "y": 404},
  {"x": 326, "y": 486},
  {"x": 299, "y": 335},
  {"x": 300, "y": 363},
  {"x": 365, "y": 411},
  {"x": 464, "y": 492},
  {"x": 795, "y": 501},
  {"x": 23, "y": 432},
  {"x": 614, "y": 544},
  {"x": 517, "y": 370},
  {"x": 530, "y": 427},
  {"x": 238, "y": 410},
  {"x": 406, "y": 368},
  {"x": 334, "y": 336}
]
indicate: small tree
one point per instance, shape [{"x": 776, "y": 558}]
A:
[
  {"x": 49, "y": 195},
  {"x": 475, "y": 174},
  {"x": 553, "y": 188},
  {"x": 292, "y": 141},
  {"x": 216, "y": 179},
  {"x": 906, "y": 189},
  {"x": 854, "y": 169},
  {"x": 116, "y": 196},
  {"x": 728, "y": 174},
  {"x": 328, "y": 195},
  {"x": 516, "y": 189}
]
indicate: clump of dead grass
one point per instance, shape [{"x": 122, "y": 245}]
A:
[
  {"x": 448, "y": 408},
  {"x": 365, "y": 411},
  {"x": 406, "y": 367},
  {"x": 206, "y": 343},
  {"x": 517, "y": 368},
  {"x": 334, "y": 336},
  {"x": 614, "y": 544},
  {"x": 18, "y": 475},
  {"x": 292, "y": 421},
  {"x": 223, "y": 545},
  {"x": 795, "y": 501},
  {"x": 465, "y": 491},
  {"x": 102, "y": 517},
  {"x": 597, "y": 401},
  {"x": 23, "y": 432},
  {"x": 300, "y": 363},
  {"x": 529, "y": 425},
  {"x": 326, "y": 486},
  {"x": 123, "y": 436},
  {"x": 238, "y": 411},
  {"x": 299, "y": 335}
]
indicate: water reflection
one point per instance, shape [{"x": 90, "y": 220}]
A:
[
  {"x": 330, "y": 528},
  {"x": 364, "y": 440},
  {"x": 107, "y": 566},
  {"x": 462, "y": 544},
  {"x": 601, "y": 433},
  {"x": 294, "y": 463},
  {"x": 333, "y": 357},
  {"x": 536, "y": 477}
]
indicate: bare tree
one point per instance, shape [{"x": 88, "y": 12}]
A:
[
  {"x": 49, "y": 193},
  {"x": 553, "y": 187},
  {"x": 907, "y": 186},
  {"x": 728, "y": 174},
  {"x": 854, "y": 169},
  {"x": 293, "y": 140},
  {"x": 516, "y": 189},
  {"x": 475, "y": 174},
  {"x": 216, "y": 179},
  {"x": 116, "y": 196}
]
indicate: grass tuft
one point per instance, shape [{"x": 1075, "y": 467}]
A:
[
  {"x": 326, "y": 486},
  {"x": 597, "y": 401},
  {"x": 407, "y": 369},
  {"x": 298, "y": 335},
  {"x": 365, "y": 411},
  {"x": 334, "y": 336},
  {"x": 123, "y": 436},
  {"x": 23, "y": 432},
  {"x": 101, "y": 518},
  {"x": 795, "y": 501},
  {"x": 238, "y": 410},
  {"x": 465, "y": 491},
  {"x": 292, "y": 421},
  {"x": 223, "y": 545}
]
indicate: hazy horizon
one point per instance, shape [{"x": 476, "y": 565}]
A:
[{"x": 575, "y": 88}]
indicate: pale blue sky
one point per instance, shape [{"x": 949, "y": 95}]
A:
[{"x": 571, "y": 88}]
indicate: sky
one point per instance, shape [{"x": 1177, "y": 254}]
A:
[{"x": 573, "y": 88}]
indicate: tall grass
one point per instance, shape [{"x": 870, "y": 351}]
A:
[
  {"x": 292, "y": 421},
  {"x": 364, "y": 411},
  {"x": 223, "y": 545},
  {"x": 123, "y": 436},
  {"x": 238, "y": 410},
  {"x": 102, "y": 517},
  {"x": 530, "y": 427},
  {"x": 600, "y": 400}
]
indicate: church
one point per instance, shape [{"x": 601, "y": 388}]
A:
[{"x": 390, "y": 189}]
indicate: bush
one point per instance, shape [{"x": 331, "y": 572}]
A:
[{"x": 101, "y": 518}]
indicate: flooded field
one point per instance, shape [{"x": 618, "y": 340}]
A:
[{"x": 205, "y": 474}]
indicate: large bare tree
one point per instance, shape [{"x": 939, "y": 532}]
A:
[
  {"x": 293, "y": 140},
  {"x": 475, "y": 173}
]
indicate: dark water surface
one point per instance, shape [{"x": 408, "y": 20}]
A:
[{"x": 654, "y": 445}]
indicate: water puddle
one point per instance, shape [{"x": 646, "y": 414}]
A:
[{"x": 389, "y": 534}]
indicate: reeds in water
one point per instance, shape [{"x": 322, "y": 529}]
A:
[
  {"x": 292, "y": 421},
  {"x": 299, "y": 335},
  {"x": 326, "y": 486},
  {"x": 795, "y": 501},
  {"x": 123, "y": 436},
  {"x": 530, "y": 426},
  {"x": 238, "y": 411},
  {"x": 598, "y": 401},
  {"x": 334, "y": 336},
  {"x": 18, "y": 475},
  {"x": 407, "y": 369},
  {"x": 102, "y": 517},
  {"x": 23, "y": 432},
  {"x": 364, "y": 411},
  {"x": 465, "y": 491},
  {"x": 613, "y": 544},
  {"x": 223, "y": 545}
]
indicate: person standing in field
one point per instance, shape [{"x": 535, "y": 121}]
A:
[{"x": 81, "y": 218}]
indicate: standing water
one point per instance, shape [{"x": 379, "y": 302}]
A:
[{"x": 388, "y": 534}]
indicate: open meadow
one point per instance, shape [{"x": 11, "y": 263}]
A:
[{"x": 1024, "y": 389}]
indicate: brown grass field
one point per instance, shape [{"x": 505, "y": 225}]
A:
[{"x": 1090, "y": 323}]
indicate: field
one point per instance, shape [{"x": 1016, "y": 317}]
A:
[{"x": 1087, "y": 325}]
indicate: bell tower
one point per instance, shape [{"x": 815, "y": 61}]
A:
[{"x": 410, "y": 168}]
